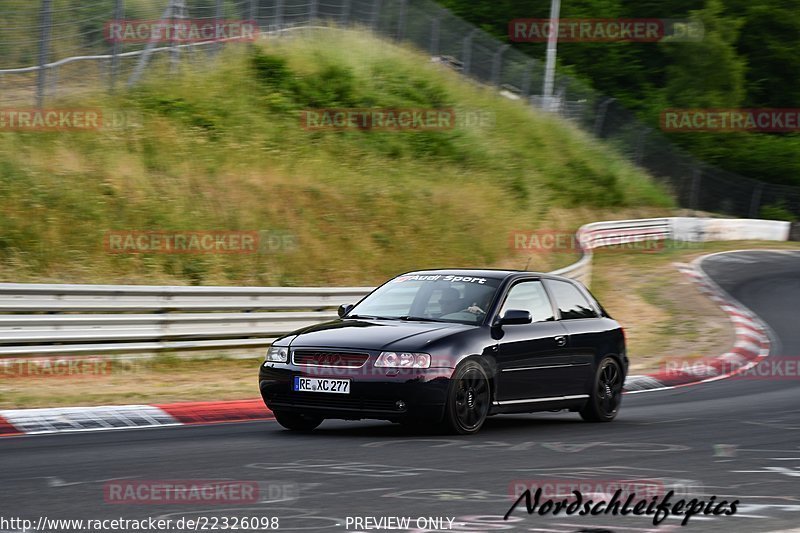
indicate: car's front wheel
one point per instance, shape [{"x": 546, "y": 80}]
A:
[
  {"x": 604, "y": 401},
  {"x": 468, "y": 399},
  {"x": 297, "y": 422}
]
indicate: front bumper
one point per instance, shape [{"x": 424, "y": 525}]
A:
[{"x": 385, "y": 394}]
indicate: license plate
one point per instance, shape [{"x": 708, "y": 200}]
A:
[{"x": 333, "y": 386}]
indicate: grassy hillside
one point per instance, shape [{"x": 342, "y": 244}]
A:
[{"x": 220, "y": 147}]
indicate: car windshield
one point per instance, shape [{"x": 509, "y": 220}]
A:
[{"x": 430, "y": 297}]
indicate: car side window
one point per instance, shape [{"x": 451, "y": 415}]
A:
[
  {"x": 569, "y": 300},
  {"x": 529, "y": 296}
]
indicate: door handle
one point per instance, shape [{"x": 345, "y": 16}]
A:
[{"x": 561, "y": 340}]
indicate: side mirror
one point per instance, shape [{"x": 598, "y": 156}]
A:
[
  {"x": 344, "y": 309},
  {"x": 515, "y": 316}
]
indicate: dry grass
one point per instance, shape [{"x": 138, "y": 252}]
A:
[{"x": 664, "y": 315}]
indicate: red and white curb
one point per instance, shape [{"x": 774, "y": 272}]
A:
[
  {"x": 62, "y": 419},
  {"x": 752, "y": 344}
]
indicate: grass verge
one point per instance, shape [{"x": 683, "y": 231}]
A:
[{"x": 220, "y": 146}]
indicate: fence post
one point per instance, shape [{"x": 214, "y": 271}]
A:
[
  {"x": 435, "y": 29},
  {"x": 45, "y": 20},
  {"x": 118, "y": 14},
  {"x": 527, "y": 78},
  {"x": 52, "y": 82},
  {"x": 640, "y": 147},
  {"x": 217, "y": 26},
  {"x": 466, "y": 54},
  {"x": 697, "y": 178},
  {"x": 497, "y": 63},
  {"x": 376, "y": 14},
  {"x": 279, "y": 15},
  {"x": 600, "y": 119},
  {"x": 755, "y": 202},
  {"x": 314, "y": 7},
  {"x": 346, "y": 13},
  {"x": 178, "y": 11},
  {"x": 401, "y": 20},
  {"x": 148, "y": 50}
]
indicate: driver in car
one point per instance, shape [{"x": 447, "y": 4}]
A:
[{"x": 451, "y": 302}]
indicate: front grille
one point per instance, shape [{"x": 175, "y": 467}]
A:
[
  {"x": 328, "y": 358},
  {"x": 334, "y": 401}
]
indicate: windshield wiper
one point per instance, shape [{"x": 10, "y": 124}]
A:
[
  {"x": 371, "y": 317},
  {"x": 420, "y": 318}
]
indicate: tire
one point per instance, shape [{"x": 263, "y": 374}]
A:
[
  {"x": 468, "y": 399},
  {"x": 297, "y": 422},
  {"x": 606, "y": 397}
]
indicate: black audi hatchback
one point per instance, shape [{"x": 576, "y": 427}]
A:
[{"x": 451, "y": 347}]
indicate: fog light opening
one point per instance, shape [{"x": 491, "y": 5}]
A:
[{"x": 401, "y": 405}]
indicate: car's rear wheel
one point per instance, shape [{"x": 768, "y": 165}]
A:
[
  {"x": 296, "y": 421},
  {"x": 468, "y": 399},
  {"x": 603, "y": 404}
]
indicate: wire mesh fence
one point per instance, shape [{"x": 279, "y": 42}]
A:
[{"x": 51, "y": 48}]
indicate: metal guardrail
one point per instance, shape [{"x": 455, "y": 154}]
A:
[
  {"x": 598, "y": 234},
  {"x": 108, "y": 319},
  {"x": 94, "y": 319}
]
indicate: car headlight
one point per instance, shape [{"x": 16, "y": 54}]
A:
[
  {"x": 277, "y": 354},
  {"x": 403, "y": 360}
]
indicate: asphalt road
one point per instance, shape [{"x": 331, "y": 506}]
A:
[{"x": 734, "y": 439}]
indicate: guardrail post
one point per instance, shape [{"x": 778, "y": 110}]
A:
[{"x": 45, "y": 23}]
